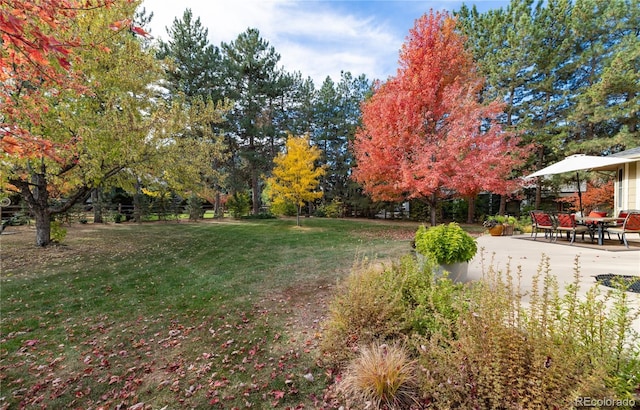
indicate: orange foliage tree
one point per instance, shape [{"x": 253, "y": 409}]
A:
[
  {"x": 424, "y": 133},
  {"x": 599, "y": 195}
]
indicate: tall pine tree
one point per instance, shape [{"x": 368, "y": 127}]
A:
[
  {"x": 193, "y": 65},
  {"x": 252, "y": 80}
]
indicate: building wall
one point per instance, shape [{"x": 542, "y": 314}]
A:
[
  {"x": 633, "y": 179},
  {"x": 627, "y": 190}
]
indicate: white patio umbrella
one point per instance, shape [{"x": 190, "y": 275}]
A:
[{"x": 579, "y": 162}]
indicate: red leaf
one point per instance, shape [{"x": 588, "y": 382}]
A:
[
  {"x": 64, "y": 63},
  {"x": 139, "y": 31}
]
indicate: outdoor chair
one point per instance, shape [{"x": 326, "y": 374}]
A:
[
  {"x": 622, "y": 215},
  {"x": 567, "y": 223},
  {"x": 542, "y": 222},
  {"x": 631, "y": 224}
]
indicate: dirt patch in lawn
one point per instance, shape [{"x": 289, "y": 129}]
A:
[
  {"x": 396, "y": 234},
  {"x": 20, "y": 253}
]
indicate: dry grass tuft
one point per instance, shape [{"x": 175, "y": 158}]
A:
[
  {"x": 365, "y": 309},
  {"x": 382, "y": 376}
]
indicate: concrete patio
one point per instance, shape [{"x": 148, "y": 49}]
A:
[{"x": 522, "y": 253}]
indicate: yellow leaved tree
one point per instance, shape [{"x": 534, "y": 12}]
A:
[{"x": 295, "y": 176}]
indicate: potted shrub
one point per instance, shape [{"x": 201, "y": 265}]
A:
[
  {"x": 509, "y": 225},
  {"x": 448, "y": 246},
  {"x": 495, "y": 224}
]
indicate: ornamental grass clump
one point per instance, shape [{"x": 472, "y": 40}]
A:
[
  {"x": 383, "y": 305},
  {"x": 367, "y": 308},
  {"x": 382, "y": 376}
]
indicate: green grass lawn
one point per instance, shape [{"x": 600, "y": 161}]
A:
[{"x": 211, "y": 314}]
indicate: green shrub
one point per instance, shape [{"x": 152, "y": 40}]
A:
[
  {"x": 20, "y": 218},
  {"x": 261, "y": 215},
  {"x": 445, "y": 244},
  {"x": 194, "y": 208},
  {"x": 284, "y": 208},
  {"x": 428, "y": 302},
  {"x": 58, "y": 233},
  {"x": 239, "y": 204},
  {"x": 331, "y": 210},
  {"x": 524, "y": 224},
  {"x": 419, "y": 210}
]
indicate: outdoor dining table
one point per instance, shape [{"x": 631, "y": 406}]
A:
[{"x": 600, "y": 221}]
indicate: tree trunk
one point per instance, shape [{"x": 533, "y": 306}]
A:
[
  {"x": 471, "y": 210},
  {"x": 96, "y": 201},
  {"x": 137, "y": 203},
  {"x": 39, "y": 205},
  {"x": 538, "y": 200},
  {"x": 433, "y": 202},
  {"x": 298, "y": 216},
  {"x": 255, "y": 192},
  {"x": 503, "y": 205},
  {"x": 34, "y": 192},
  {"x": 217, "y": 207},
  {"x": 43, "y": 226}
]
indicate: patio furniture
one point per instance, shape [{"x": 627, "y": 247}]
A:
[
  {"x": 631, "y": 224},
  {"x": 567, "y": 223},
  {"x": 542, "y": 222},
  {"x": 599, "y": 224},
  {"x": 593, "y": 224},
  {"x": 622, "y": 215}
]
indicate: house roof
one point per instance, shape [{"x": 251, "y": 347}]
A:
[{"x": 630, "y": 153}]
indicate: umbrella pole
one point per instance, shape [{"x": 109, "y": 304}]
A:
[{"x": 579, "y": 193}]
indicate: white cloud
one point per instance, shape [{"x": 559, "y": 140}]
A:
[
  {"x": 317, "y": 38},
  {"x": 311, "y": 37}
]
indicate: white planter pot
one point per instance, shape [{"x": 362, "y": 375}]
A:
[{"x": 457, "y": 271}]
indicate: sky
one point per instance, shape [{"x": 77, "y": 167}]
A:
[{"x": 316, "y": 38}]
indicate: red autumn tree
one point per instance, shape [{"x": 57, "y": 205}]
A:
[{"x": 424, "y": 133}]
